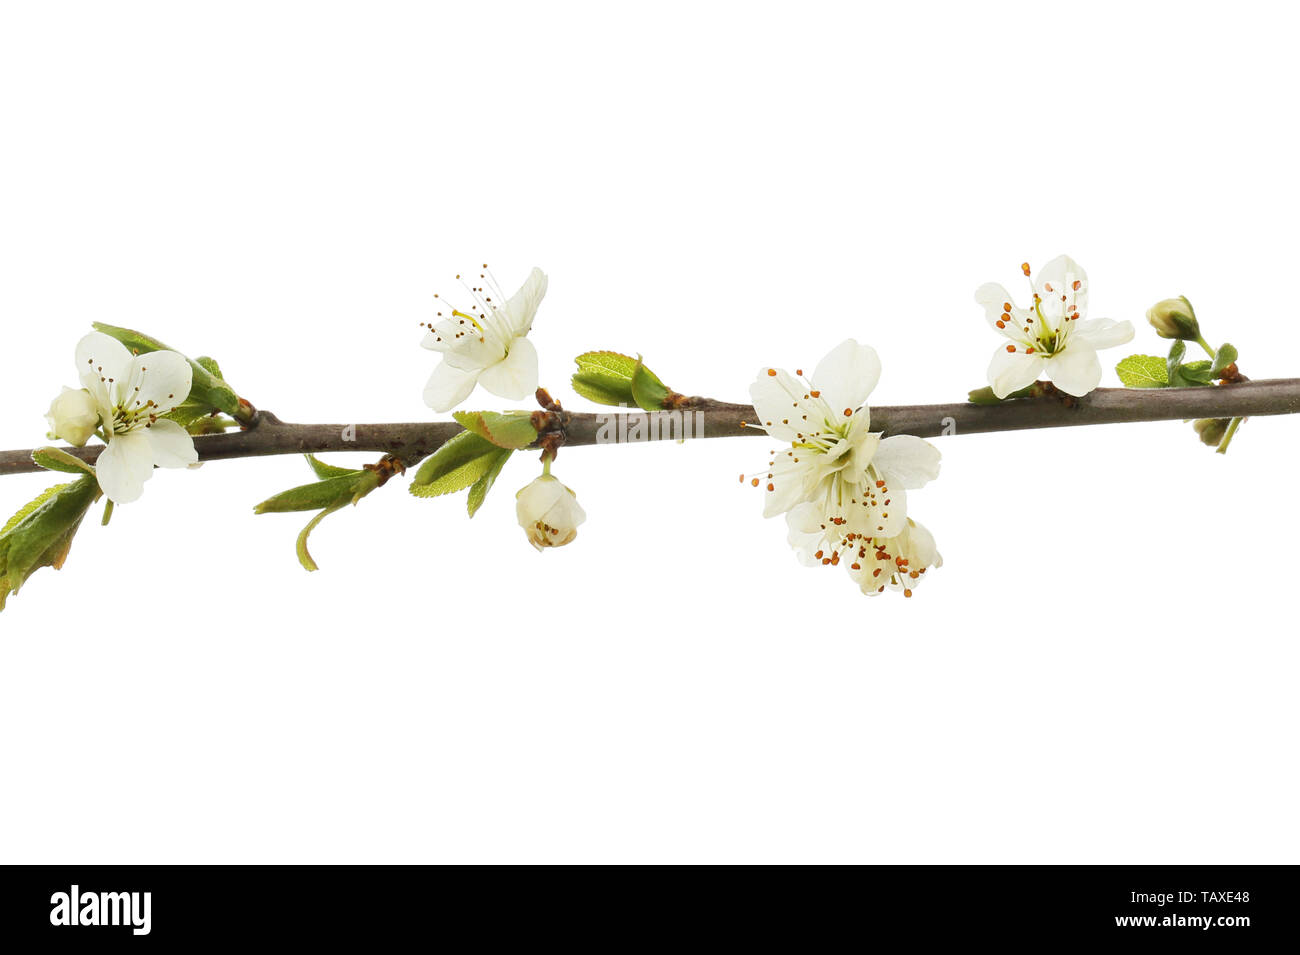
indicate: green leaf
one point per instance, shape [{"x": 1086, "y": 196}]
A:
[
  {"x": 208, "y": 389},
  {"x": 332, "y": 493},
  {"x": 210, "y": 366},
  {"x": 1224, "y": 357},
  {"x": 459, "y": 463},
  {"x": 1172, "y": 363},
  {"x": 479, "y": 491},
  {"x": 1143, "y": 371},
  {"x": 41, "y": 533},
  {"x": 1197, "y": 372},
  {"x": 324, "y": 470},
  {"x": 649, "y": 393},
  {"x": 513, "y": 430},
  {"x": 605, "y": 377},
  {"x": 304, "y": 555},
  {"x": 56, "y": 459}
]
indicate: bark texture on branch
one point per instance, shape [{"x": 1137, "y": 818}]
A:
[{"x": 716, "y": 419}]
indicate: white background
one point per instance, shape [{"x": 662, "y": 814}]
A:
[{"x": 1103, "y": 671}]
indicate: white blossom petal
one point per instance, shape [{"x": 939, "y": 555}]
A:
[
  {"x": 515, "y": 376},
  {"x": 847, "y": 376},
  {"x": 1076, "y": 370},
  {"x": 1101, "y": 333},
  {"x": 171, "y": 445},
  {"x": 1011, "y": 371},
  {"x": 522, "y": 306},
  {"x": 447, "y": 387},
  {"x": 124, "y": 466},
  {"x": 161, "y": 377},
  {"x": 776, "y": 399},
  {"x": 1003, "y": 314},
  {"x": 1063, "y": 287},
  {"x": 906, "y": 461}
]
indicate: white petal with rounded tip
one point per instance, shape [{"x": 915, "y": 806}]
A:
[
  {"x": 105, "y": 356},
  {"x": 172, "y": 445},
  {"x": 1055, "y": 287},
  {"x": 1011, "y": 371},
  {"x": 163, "y": 377},
  {"x": 515, "y": 376},
  {"x": 522, "y": 306},
  {"x": 847, "y": 376},
  {"x": 788, "y": 485},
  {"x": 775, "y": 399},
  {"x": 806, "y": 534},
  {"x": 1102, "y": 332},
  {"x": 907, "y": 461},
  {"x": 447, "y": 387},
  {"x": 1076, "y": 371},
  {"x": 124, "y": 466},
  {"x": 993, "y": 297}
]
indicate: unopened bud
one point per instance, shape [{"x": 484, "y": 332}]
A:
[
  {"x": 73, "y": 416},
  {"x": 548, "y": 512},
  {"x": 1175, "y": 318},
  {"x": 1211, "y": 430}
]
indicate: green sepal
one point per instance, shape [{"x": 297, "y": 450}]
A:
[
  {"x": 208, "y": 389},
  {"x": 605, "y": 377},
  {"x": 459, "y": 463},
  {"x": 478, "y": 492},
  {"x": 649, "y": 393},
  {"x": 1224, "y": 357},
  {"x": 512, "y": 429},
  {"x": 56, "y": 459},
  {"x": 41, "y": 533},
  {"x": 1143, "y": 371}
]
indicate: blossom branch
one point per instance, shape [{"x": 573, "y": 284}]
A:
[{"x": 413, "y": 441}]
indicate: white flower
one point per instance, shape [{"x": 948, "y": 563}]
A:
[
  {"x": 486, "y": 345},
  {"x": 856, "y": 479},
  {"x": 548, "y": 512},
  {"x": 874, "y": 563},
  {"x": 1050, "y": 337},
  {"x": 73, "y": 416},
  {"x": 131, "y": 393}
]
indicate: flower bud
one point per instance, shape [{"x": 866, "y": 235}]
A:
[
  {"x": 73, "y": 416},
  {"x": 1174, "y": 318},
  {"x": 1211, "y": 430},
  {"x": 548, "y": 512}
]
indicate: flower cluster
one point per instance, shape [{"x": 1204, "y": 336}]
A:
[{"x": 842, "y": 486}]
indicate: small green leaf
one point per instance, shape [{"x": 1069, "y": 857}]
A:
[
  {"x": 1196, "y": 372},
  {"x": 324, "y": 470},
  {"x": 208, "y": 389},
  {"x": 56, "y": 459},
  {"x": 304, "y": 555},
  {"x": 1143, "y": 371},
  {"x": 1224, "y": 357},
  {"x": 649, "y": 393},
  {"x": 479, "y": 491},
  {"x": 513, "y": 430},
  {"x": 210, "y": 366},
  {"x": 332, "y": 492},
  {"x": 456, "y": 465},
  {"x": 605, "y": 377}
]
